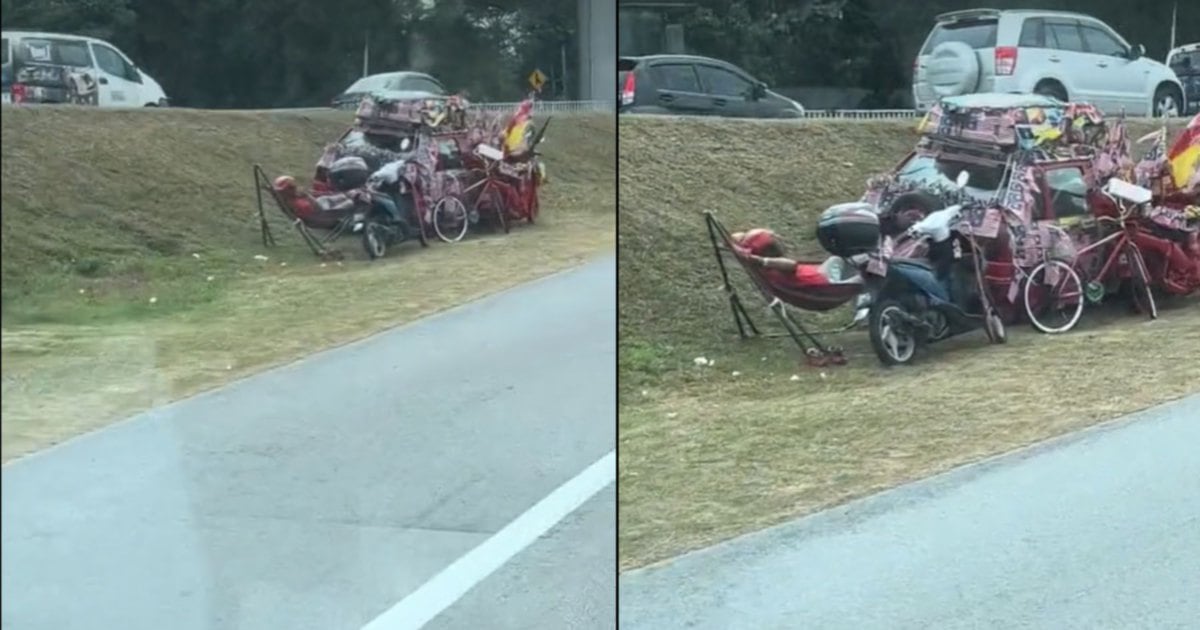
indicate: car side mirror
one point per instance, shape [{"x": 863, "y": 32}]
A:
[
  {"x": 1137, "y": 52},
  {"x": 758, "y": 91}
]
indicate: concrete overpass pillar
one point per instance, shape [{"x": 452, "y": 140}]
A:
[{"x": 597, "y": 50}]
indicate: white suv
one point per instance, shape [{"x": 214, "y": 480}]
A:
[{"x": 1069, "y": 56}]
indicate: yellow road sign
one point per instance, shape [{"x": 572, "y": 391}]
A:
[{"x": 537, "y": 79}]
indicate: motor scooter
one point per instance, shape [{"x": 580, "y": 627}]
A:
[
  {"x": 933, "y": 294},
  {"x": 388, "y": 214}
]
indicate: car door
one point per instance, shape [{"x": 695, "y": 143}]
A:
[
  {"x": 120, "y": 82},
  {"x": 1069, "y": 52},
  {"x": 728, "y": 92},
  {"x": 1119, "y": 80},
  {"x": 1038, "y": 58},
  {"x": 678, "y": 89}
]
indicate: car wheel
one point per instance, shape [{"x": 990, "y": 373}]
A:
[
  {"x": 1051, "y": 89},
  {"x": 1167, "y": 102}
]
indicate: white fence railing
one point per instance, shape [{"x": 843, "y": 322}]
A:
[
  {"x": 539, "y": 107},
  {"x": 556, "y": 107},
  {"x": 863, "y": 114}
]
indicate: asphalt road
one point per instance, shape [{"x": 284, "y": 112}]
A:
[
  {"x": 319, "y": 495},
  {"x": 1099, "y": 530}
]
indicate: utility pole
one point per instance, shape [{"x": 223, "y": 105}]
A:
[
  {"x": 565, "y": 85},
  {"x": 366, "y": 52},
  {"x": 1174, "y": 14}
]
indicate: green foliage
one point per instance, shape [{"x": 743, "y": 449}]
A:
[{"x": 294, "y": 53}]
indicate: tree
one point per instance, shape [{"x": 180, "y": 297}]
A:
[{"x": 279, "y": 53}]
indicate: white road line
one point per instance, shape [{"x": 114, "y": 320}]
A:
[{"x": 448, "y": 586}]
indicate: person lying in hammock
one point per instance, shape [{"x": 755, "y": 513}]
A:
[
  {"x": 763, "y": 249},
  {"x": 326, "y": 210}
]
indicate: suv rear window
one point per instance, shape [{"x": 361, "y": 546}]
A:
[{"x": 974, "y": 33}]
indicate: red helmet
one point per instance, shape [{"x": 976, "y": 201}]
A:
[
  {"x": 755, "y": 240},
  {"x": 284, "y": 183}
]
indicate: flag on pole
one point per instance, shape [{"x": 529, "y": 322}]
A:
[{"x": 1184, "y": 154}]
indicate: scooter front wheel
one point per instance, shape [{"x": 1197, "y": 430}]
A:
[
  {"x": 892, "y": 335},
  {"x": 374, "y": 240}
]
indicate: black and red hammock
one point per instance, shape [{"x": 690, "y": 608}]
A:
[{"x": 815, "y": 297}]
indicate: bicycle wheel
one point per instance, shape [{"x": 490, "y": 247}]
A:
[
  {"x": 490, "y": 203},
  {"x": 1139, "y": 277},
  {"x": 450, "y": 219},
  {"x": 1053, "y": 297}
]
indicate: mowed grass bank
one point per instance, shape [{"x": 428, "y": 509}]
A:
[
  {"x": 130, "y": 275},
  {"x": 706, "y": 454}
]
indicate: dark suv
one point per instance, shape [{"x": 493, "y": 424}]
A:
[
  {"x": 1185, "y": 61},
  {"x": 696, "y": 86}
]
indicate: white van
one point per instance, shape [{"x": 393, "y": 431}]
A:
[{"x": 57, "y": 68}]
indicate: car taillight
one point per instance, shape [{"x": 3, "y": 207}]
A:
[
  {"x": 18, "y": 93},
  {"x": 1006, "y": 60},
  {"x": 628, "y": 90}
]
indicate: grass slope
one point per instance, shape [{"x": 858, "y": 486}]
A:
[
  {"x": 708, "y": 453},
  {"x": 129, "y": 245}
]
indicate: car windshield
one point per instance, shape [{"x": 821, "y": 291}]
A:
[
  {"x": 926, "y": 170},
  {"x": 974, "y": 33},
  {"x": 365, "y": 84}
]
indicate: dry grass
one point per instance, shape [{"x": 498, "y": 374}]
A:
[
  {"x": 92, "y": 232},
  {"x": 706, "y": 455}
]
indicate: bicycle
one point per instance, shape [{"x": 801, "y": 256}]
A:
[
  {"x": 1123, "y": 260},
  {"x": 1052, "y": 286}
]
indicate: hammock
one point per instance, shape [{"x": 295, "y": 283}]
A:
[{"x": 816, "y": 297}]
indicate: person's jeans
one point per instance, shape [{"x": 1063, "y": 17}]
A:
[{"x": 385, "y": 204}]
